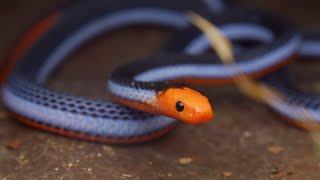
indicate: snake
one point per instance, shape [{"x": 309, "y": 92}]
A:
[{"x": 149, "y": 95}]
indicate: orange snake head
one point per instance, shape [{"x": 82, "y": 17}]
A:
[{"x": 185, "y": 104}]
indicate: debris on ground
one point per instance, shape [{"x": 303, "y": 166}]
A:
[
  {"x": 126, "y": 175},
  {"x": 227, "y": 173},
  {"x": 185, "y": 160},
  {"x": 14, "y": 143},
  {"x": 275, "y": 149},
  {"x": 279, "y": 173}
]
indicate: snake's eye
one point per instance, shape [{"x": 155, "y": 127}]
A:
[{"x": 179, "y": 106}]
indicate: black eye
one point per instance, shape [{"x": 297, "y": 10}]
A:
[{"x": 179, "y": 106}]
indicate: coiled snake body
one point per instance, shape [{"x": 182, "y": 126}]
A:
[{"x": 145, "y": 84}]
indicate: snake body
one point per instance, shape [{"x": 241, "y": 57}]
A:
[
  {"x": 26, "y": 94},
  {"x": 146, "y": 84},
  {"x": 299, "y": 108}
]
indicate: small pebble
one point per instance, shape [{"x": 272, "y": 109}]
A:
[
  {"x": 275, "y": 149},
  {"x": 247, "y": 134},
  {"x": 126, "y": 175},
  {"x": 185, "y": 160},
  {"x": 14, "y": 143},
  {"x": 109, "y": 150},
  {"x": 227, "y": 173},
  {"x": 274, "y": 170}
]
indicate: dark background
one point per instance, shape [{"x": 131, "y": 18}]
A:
[{"x": 245, "y": 139}]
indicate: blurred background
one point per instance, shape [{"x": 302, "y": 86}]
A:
[{"x": 245, "y": 141}]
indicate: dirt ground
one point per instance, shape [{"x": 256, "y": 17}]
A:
[{"x": 245, "y": 141}]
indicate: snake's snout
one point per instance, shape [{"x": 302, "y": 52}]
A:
[
  {"x": 203, "y": 113},
  {"x": 186, "y": 105}
]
